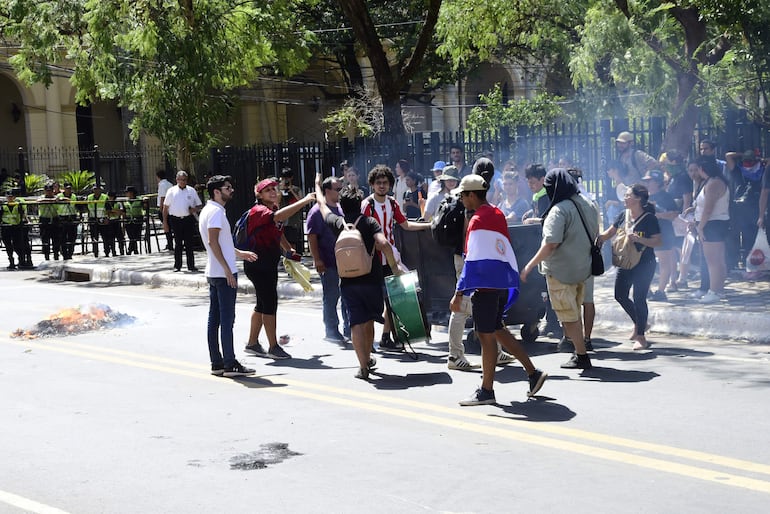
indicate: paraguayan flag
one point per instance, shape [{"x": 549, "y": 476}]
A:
[{"x": 489, "y": 259}]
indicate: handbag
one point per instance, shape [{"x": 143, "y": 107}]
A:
[
  {"x": 597, "y": 261},
  {"x": 625, "y": 254}
]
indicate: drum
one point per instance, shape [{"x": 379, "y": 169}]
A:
[{"x": 406, "y": 312}]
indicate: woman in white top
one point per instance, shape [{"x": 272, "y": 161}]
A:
[{"x": 712, "y": 220}]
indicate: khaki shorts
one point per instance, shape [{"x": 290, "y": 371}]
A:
[{"x": 566, "y": 299}]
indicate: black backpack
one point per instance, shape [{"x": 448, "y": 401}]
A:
[{"x": 447, "y": 224}]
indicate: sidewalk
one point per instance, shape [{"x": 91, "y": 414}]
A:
[{"x": 744, "y": 314}]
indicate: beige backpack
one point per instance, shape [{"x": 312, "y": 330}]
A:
[
  {"x": 625, "y": 254},
  {"x": 350, "y": 251}
]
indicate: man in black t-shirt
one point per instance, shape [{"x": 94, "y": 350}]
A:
[{"x": 363, "y": 295}]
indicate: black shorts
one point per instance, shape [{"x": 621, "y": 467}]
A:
[
  {"x": 488, "y": 310},
  {"x": 715, "y": 231},
  {"x": 364, "y": 301},
  {"x": 265, "y": 286}
]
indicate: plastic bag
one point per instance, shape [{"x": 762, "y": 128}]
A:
[
  {"x": 759, "y": 256},
  {"x": 299, "y": 273}
]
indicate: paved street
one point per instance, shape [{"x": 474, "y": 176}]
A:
[{"x": 129, "y": 420}]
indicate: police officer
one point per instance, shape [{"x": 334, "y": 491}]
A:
[
  {"x": 13, "y": 214},
  {"x": 133, "y": 216},
  {"x": 68, "y": 220},
  {"x": 97, "y": 218},
  {"x": 48, "y": 214},
  {"x": 114, "y": 231}
]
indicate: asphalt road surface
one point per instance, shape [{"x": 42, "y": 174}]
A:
[{"x": 129, "y": 420}]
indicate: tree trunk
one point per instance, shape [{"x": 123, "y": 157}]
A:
[
  {"x": 184, "y": 158},
  {"x": 394, "y": 132},
  {"x": 684, "y": 115}
]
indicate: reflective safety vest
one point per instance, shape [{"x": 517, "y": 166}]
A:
[
  {"x": 133, "y": 208},
  {"x": 66, "y": 208},
  {"x": 113, "y": 209},
  {"x": 12, "y": 212},
  {"x": 46, "y": 209},
  {"x": 96, "y": 206}
]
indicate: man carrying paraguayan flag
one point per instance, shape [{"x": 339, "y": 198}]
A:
[{"x": 490, "y": 274}]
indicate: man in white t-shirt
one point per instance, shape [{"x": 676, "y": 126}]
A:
[
  {"x": 163, "y": 187},
  {"x": 180, "y": 209},
  {"x": 222, "y": 276}
]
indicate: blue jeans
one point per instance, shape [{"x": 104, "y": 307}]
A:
[
  {"x": 330, "y": 281},
  {"x": 221, "y": 320}
]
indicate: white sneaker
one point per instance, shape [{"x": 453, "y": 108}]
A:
[
  {"x": 710, "y": 297},
  {"x": 460, "y": 363},
  {"x": 504, "y": 358},
  {"x": 697, "y": 294}
]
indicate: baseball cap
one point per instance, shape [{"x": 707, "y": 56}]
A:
[
  {"x": 625, "y": 137},
  {"x": 655, "y": 175},
  {"x": 450, "y": 173},
  {"x": 471, "y": 183},
  {"x": 48, "y": 187},
  {"x": 438, "y": 166},
  {"x": 268, "y": 182},
  {"x": 749, "y": 156}
]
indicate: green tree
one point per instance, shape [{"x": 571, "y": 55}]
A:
[
  {"x": 176, "y": 64},
  {"x": 494, "y": 113},
  {"x": 392, "y": 78}
]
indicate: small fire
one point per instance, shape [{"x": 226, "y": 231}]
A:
[{"x": 75, "y": 320}]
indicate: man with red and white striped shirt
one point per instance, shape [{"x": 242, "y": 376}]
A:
[{"x": 386, "y": 211}]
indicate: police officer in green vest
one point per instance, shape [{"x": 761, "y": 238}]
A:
[
  {"x": 69, "y": 218},
  {"x": 13, "y": 217},
  {"x": 98, "y": 224},
  {"x": 134, "y": 215},
  {"x": 114, "y": 233},
  {"x": 48, "y": 215}
]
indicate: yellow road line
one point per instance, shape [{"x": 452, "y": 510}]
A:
[{"x": 456, "y": 419}]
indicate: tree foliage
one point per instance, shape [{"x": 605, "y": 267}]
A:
[
  {"x": 175, "y": 63},
  {"x": 495, "y": 114}
]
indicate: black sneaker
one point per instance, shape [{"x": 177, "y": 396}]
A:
[
  {"x": 565, "y": 345},
  {"x": 578, "y": 362},
  {"x": 589, "y": 344},
  {"x": 480, "y": 397},
  {"x": 217, "y": 370},
  {"x": 238, "y": 370},
  {"x": 536, "y": 381},
  {"x": 335, "y": 338},
  {"x": 389, "y": 345},
  {"x": 658, "y": 296},
  {"x": 256, "y": 349},
  {"x": 278, "y": 353}
]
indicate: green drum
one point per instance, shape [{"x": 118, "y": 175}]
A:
[{"x": 406, "y": 313}]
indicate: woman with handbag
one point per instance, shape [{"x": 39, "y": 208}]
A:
[{"x": 639, "y": 226}]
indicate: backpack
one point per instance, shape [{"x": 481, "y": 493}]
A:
[
  {"x": 447, "y": 224},
  {"x": 625, "y": 254},
  {"x": 350, "y": 252},
  {"x": 242, "y": 239}
]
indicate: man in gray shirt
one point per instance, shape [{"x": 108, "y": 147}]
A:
[{"x": 565, "y": 256}]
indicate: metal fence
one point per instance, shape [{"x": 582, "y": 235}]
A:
[{"x": 588, "y": 145}]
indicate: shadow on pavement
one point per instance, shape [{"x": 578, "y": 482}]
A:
[
  {"x": 539, "y": 409},
  {"x": 314, "y": 362},
  {"x": 395, "y": 382},
  {"x": 256, "y": 382},
  {"x": 602, "y": 374}
]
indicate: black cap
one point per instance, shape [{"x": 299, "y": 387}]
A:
[{"x": 131, "y": 189}]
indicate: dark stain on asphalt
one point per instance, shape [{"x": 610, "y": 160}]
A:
[{"x": 271, "y": 453}]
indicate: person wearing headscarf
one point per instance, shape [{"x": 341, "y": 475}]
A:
[{"x": 564, "y": 257}]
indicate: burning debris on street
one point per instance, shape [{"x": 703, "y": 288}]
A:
[{"x": 76, "y": 320}]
